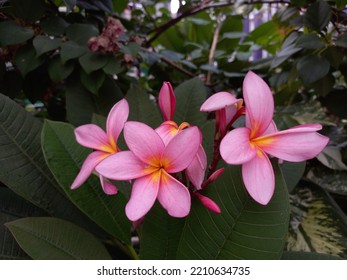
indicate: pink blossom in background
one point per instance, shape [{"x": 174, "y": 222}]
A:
[
  {"x": 151, "y": 163},
  {"x": 250, "y": 145},
  {"x": 103, "y": 143}
]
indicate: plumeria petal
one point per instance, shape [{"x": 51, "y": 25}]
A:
[
  {"x": 221, "y": 121},
  {"x": 167, "y": 101},
  {"x": 197, "y": 168},
  {"x": 272, "y": 128},
  {"x": 88, "y": 166},
  {"x": 230, "y": 112},
  {"x": 108, "y": 187},
  {"x": 208, "y": 203},
  {"x": 189, "y": 141},
  {"x": 174, "y": 196},
  {"x": 167, "y": 130},
  {"x": 259, "y": 103},
  {"x": 235, "y": 148},
  {"x": 142, "y": 198},
  {"x": 219, "y": 100},
  {"x": 92, "y": 136},
  {"x": 295, "y": 144},
  {"x": 143, "y": 141},
  {"x": 116, "y": 119},
  {"x": 259, "y": 178},
  {"x": 214, "y": 176},
  {"x": 122, "y": 166}
]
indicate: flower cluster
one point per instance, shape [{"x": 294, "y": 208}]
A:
[
  {"x": 169, "y": 163},
  {"x": 107, "y": 41}
]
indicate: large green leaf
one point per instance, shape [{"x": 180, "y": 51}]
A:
[
  {"x": 43, "y": 44},
  {"x": 64, "y": 157},
  {"x": 244, "y": 229},
  {"x": 12, "y": 33},
  {"x": 292, "y": 173},
  {"x": 160, "y": 235},
  {"x": 23, "y": 167},
  {"x": 13, "y": 207},
  {"x": 312, "y": 68},
  {"x": 190, "y": 95},
  {"x": 142, "y": 108},
  {"x": 55, "y": 239},
  {"x": 318, "y": 15},
  {"x": 317, "y": 223}
]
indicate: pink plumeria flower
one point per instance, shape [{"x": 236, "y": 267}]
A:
[
  {"x": 227, "y": 109},
  {"x": 151, "y": 163},
  {"x": 103, "y": 143},
  {"x": 169, "y": 129},
  {"x": 250, "y": 145}
]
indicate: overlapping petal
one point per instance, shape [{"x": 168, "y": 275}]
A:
[
  {"x": 107, "y": 187},
  {"x": 259, "y": 178},
  {"x": 174, "y": 196},
  {"x": 143, "y": 141},
  {"x": 188, "y": 141},
  {"x": 197, "y": 168},
  {"x": 219, "y": 100},
  {"x": 122, "y": 166},
  {"x": 143, "y": 195},
  {"x": 167, "y": 101},
  {"x": 92, "y": 136},
  {"x": 259, "y": 103},
  {"x": 235, "y": 148},
  {"x": 167, "y": 131},
  {"x": 295, "y": 144},
  {"x": 89, "y": 164},
  {"x": 116, "y": 119}
]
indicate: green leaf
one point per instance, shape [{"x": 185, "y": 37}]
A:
[
  {"x": 81, "y": 33},
  {"x": 142, "y": 108},
  {"x": 113, "y": 66},
  {"x": 119, "y": 5},
  {"x": 55, "y": 239},
  {"x": 91, "y": 61},
  {"x": 317, "y": 223},
  {"x": 318, "y": 15},
  {"x": 244, "y": 229},
  {"x": 292, "y": 173},
  {"x": 92, "y": 81},
  {"x": 311, "y": 68},
  {"x": 208, "y": 131},
  {"x": 57, "y": 70},
  {"x": 12, "y": 33},
  {"x": 70, "y": 50},
  {"x": 31, "y": 10},
  {"x": 26, "y": 59},
  {"x": 160, "y": 235},
  {"x": 43, "y": 44},
  {"x": 23, "y": 167},
  {"x": 53, "y": 25},
  {"x": 70, "y": 3},
  {"x": 342, "y": 41},
  {"x": 64, "y": 157},
  {"x": 190, "y": 95},
  {"x": 13, "y": 207},
  {"x": 309, "y": 41},
  {"x": 331, "y": 158}
]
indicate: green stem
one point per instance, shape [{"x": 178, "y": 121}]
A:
[{"x": 132, "y": 252}]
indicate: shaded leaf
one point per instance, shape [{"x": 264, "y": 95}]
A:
[
  {"x": 244, "y": 229},
  {"x": 317, "y": 223},
  {"x": 309, "y": 41},
  {"x": 142, "y": 108},
  {"x": 318, "y": 15},
  {"x": 160, "y": 235},
  {"x": 312, "y": 68},
  {"x": 292, "y": 173},
  {"x": 43, "y": 44},
  {"x": 12, "y": 33},
  {"x": 91, "y": 61},
  {"x": 190, "y": 95},
  {"x": 64, "y": 157},
  {"x": 70, "y": 50},
  {"x": 335, "y": 102},
  {"x": 92, "y": 81},
  {"x": 26, "y": 59},
  {"x": 58, "y": 71},
  {"x": 53, "y": 25},
  {"x": 23, "y": 168},
  {"x": 29, "y": 10},
  {"x": 55, "y": 239}
]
